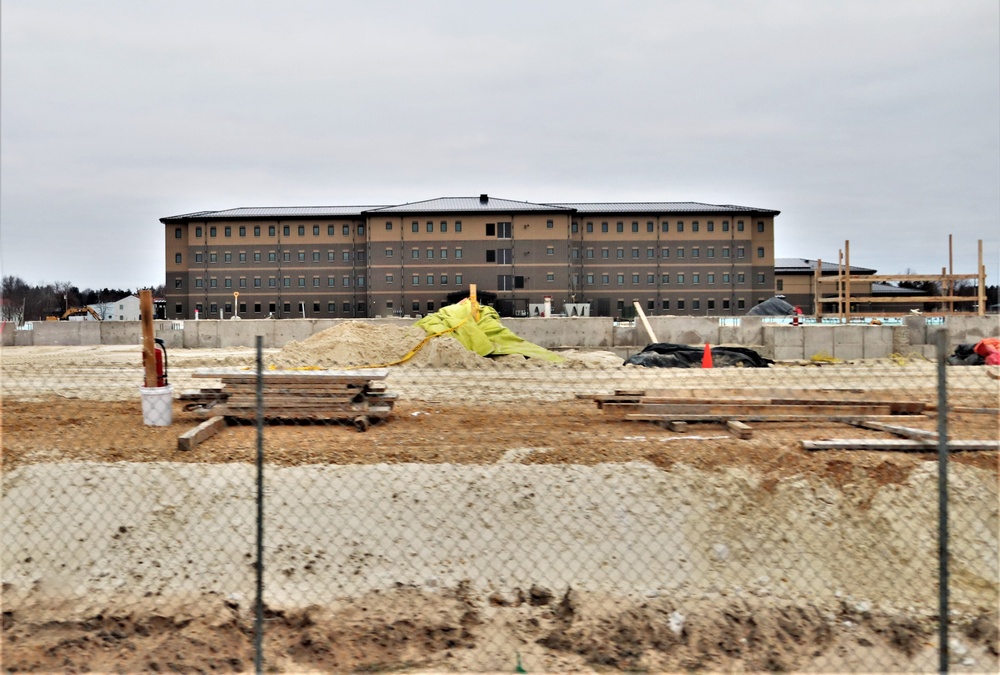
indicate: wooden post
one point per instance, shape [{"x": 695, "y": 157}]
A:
[
  {"x": 840, "y": 285},
  {"x": 148, "y": 349},
  {"x": 817, "y": 294},
  {"x": 950, "y": 290},
  {"x": 645, "y": 321},
  {"x": 981, "y": 294},
  {"x": 474, "y": 302},
  {"x": 847, "y": 279}
]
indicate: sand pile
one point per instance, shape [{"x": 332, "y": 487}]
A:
[{"x": 356, "y": 343}]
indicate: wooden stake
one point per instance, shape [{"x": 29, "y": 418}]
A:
[
  {"x": 645, "y": 322},
  {"x": 148, "y": 348},
  {"x": 981, "y": 295}
]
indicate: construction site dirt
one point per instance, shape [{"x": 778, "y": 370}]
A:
[{"x": 497, "y": 517}]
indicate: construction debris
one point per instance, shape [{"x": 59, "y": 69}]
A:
[
  {"x": 210, "y": 427},
  {"x": 896, "y": 444},
  {"x": 357, "y": 396},
  {"x": 668, "y": 355}
]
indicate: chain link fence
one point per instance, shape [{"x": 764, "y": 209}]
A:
[{"x": 459, "y": 513}]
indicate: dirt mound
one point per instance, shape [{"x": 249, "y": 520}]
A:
[{"x": 357, "y": 343}]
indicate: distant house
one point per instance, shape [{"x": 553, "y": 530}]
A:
[
  {"x": 794, "y": 278},
  {"x": 125, "y": 309}
]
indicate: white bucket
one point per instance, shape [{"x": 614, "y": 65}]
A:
[{"x": 157, "y": 405}]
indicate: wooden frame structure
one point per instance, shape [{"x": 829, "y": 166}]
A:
[{"x": 947, "y": 278}]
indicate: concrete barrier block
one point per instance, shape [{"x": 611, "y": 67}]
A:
[
  {"x": 121, "y": 332},
  {"x": 749, "y": 333},
  {"x": 553, "y": 332},
  {"x": 782, "y": 343},
  {"x": 876, "y": 342},
  {"x": 916, "y": 327},
  {"x": 627, "y": 336},
  {"x": 685, "y": 330},
  {"x": 848, "y": 342},
  {"x": 8, "y": 333},
  {"x": 24, "y": 338},
  {"x": 817, "y": 340}
]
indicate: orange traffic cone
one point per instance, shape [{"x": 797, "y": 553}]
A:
[{"x": 706, "y": 358}]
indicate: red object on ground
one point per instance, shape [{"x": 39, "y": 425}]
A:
[
  {"x": 989, "y": 349},
  {"x": 796, "y": 316},
  {"x": 706, "y": 358}
]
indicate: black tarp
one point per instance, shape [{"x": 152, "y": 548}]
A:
[
  {"x": 965, "y": 355},
  {"x": 667, "y": 355},
  {"x": 772, "y": 307}
]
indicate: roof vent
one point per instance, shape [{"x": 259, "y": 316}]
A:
[{"x": 483, "y": 198}]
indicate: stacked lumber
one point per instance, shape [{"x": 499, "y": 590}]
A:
[
  {"x": 638, "y": 406},
  {"x": 356, "y": 395}
]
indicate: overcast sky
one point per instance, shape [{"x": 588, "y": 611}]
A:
[{"x": 873, "y": 121}]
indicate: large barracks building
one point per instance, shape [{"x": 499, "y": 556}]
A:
[{"x": 592, "y": 259}]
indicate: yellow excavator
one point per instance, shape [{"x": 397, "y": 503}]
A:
[{"x": 73, "y": 311}]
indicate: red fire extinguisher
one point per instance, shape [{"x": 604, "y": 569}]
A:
[
  {"x": 796, "y": 317},
  {"x": 160, "y": 352}
]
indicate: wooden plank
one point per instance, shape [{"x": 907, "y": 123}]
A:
[
  {"x": 905, "y": 432},
  {"x": 361, "y": 375},
  {"x": 724, "y": 409},
  {"x": 910, "y": 407},
  {"x": 739, "y": 429},
  {"x": 210, "y": 427},
  {"x": 896, "y": 444},
  {"x": 646, "y": 417},
  {"x": 679, "y": 427}
]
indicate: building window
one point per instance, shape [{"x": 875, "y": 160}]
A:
[
  {"x": 227, "y": 231},
  {"x": 680, "y": 252},
  {"x": 443, "y": 253},
  {"x": 315, "y": 256},
  {"x": 739, "y": 226},
  {"x": 725, "y": 251},
  {"x": 711, "y": 228},
  {"x": 491, "y": 229},
  {"x": 302, "y": 256},
  {"x": 177, "y": 258},
  {"x": 414, "y": 226},
  {"x": 590, "y": 227},
  {"x": 458, "y": 279},
  {"x": 694, "y": 225},
  {"x": 316, "y": 282},
  {"x": 550, "y": 250},
  {"x": 286, "y": 231},
  {"x": 760, "y": 279},
  {"x": 444, "y": 226},
  {"x": 286, "y": 256},
  {"x": 619, "y": 226},
  {"x": 270, "y": 230},
  {"x": 346, "y": 230},
  {"x": 227, "y": 257},
  {"x": 574, "y": 253},
  {"x": 302, "y": 230},
  {"x": 695, "y": 278},
  {"x": 430, "y": 279},
  {"x": 347, "y": 256},
  {"x": 650, "y": 252},
  {"x": 315, "y": 230},
  {"x": 650, "y": 226},
  {"x": 760, "y": 251},
  {"x": 664, "y": 252},
  {"x": 491, "y": 256},
  {"x": 415, "y": 253},
  {"x": 620, "y": 253},
  {"x": 430, "y": 226},
  {"x": 458, "y": 225},
  {"x": 590, "y": 253},
  {"x": 458, "y": 253},
  {"x": 696, "y": 304},
  {"x": 590, "y": 279},
  {"x": 388, "y": 225},
  {"x": 388, "y": 253},
  {"x": 725, "y": 228},
  {"x": 178, "y": 233},
  {"x": 415, "y": 281},
  {"x": 302, "y": 281},
  {"x": 256, "y": 230},
  {"x": 212, "y": 231},
  {"x": 549, "y": 224},
  {"x": 213, "y": 257},
  {"x": 664, "y": 279},
  {"x": 243, "y": 282},
  {"x": 504, "y": 231},
  {"x": 360, "y": 281},
  {"x": 635, "y": 252},
  {"x": 605, "y": 279},
  {"x": 330, "y": 230},
  {"x": 665, "y": 227},
  {"x": 243, "y": 256},
  {"x": 361, "y": 229},
  {"x": 710, "y": 277},
  {"x": 741, "y": 278},
  {"x": 725, "y": 303},
  {"x": 635, "y": 225},
  {"x": 388, "y": 278},
  {"x": 272, "y": 256},
  {"x": 256, "y": 282},
  {"x": 198, "y": 257},
  {"x": 695, "y": 252},
  {"x": 665, "y": 305},
  {"x": 177, "y": 283},
  {"x": 430, "y": 253},
  {"x": 198, "y": 283},
  {"x": 650, "y": 278},
  {"x": 741, "y": 304},
  {"x": 213, "y": 283},
  {"x": 779, "y": 284},
  {"x": 444, "y": 279},
  {"x": 680, "y": 228},
  {"x": 740, "y": 252},
  {"x": 725, "y": 278},
  {"x": 760, "y": 225},
  {"x": 256, "y": 256},
  {"x": 635, "y": 279},
  {"x": 331, "y": 308},
  {"x": 711, "y": 252},
  {"x": 680, "y": 304},
  {"x": 345, "y": 281},
  {"x": 620, "y": 279},
  {"x": 680, "y": 279},
  {"x": 272, "y": 282}
]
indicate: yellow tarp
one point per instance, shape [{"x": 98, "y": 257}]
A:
[{"x": 487, "y": 336}]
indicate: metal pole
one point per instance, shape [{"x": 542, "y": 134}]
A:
[
  {"x": 942, "y": 348},
  {"x": 258, "y": 659}
]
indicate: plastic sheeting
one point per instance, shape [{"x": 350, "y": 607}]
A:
[
  {"x": 487, "y": 336},
  {"x": 772, "y": 307},
  {"x": 667, "y": 355}
]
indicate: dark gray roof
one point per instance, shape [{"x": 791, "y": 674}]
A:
[
  {"x": 271, "y": 212},
  {"x": 805, "y": 265},
  {"x": 661, "y": 207},
  {"x": 469, "y": 204},
  {"x": 882, "y": 288}
]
